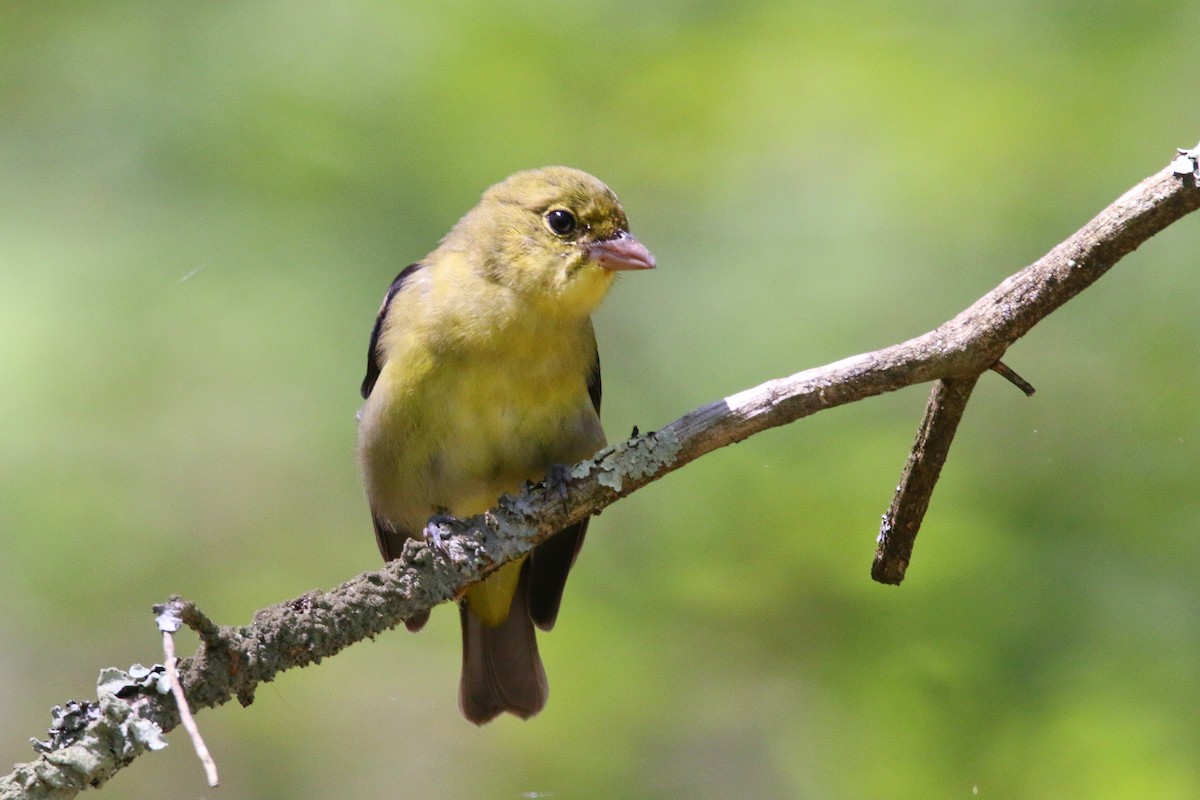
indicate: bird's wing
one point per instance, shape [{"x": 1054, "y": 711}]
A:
[
  {"x": 374, "y": 357},
  {"x": 552, "y": 559},
  {"x": 390, "y": 540},
  {"x": 593, "y": 384}
]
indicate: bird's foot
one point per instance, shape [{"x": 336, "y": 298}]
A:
[
  {"x": 433, "y": 530},
  {"x": 558, "y": 480}
]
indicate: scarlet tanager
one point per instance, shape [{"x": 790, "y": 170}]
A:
[{"x": 482, "y": 373}]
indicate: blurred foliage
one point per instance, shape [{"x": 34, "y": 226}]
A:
[{"x": 202, "y": 204}]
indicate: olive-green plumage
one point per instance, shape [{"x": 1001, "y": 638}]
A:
[{"x": 482, "y": 373}]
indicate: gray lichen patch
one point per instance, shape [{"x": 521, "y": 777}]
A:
[{"x": 638, "y": 458}]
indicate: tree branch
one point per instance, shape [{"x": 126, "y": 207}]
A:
[
  {"x": 91, "y": 740},
  {"x": 903, "y": 519}
]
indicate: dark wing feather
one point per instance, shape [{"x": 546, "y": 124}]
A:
[
  {"x": 549, "y": 566},
  {"x": 391, "y": 542},
  {"x": 374, "y": 358},
  {"x": 551, "y": 560},
  {"x": 594, "y": 384},
  {"x": 391, "y": 545}
]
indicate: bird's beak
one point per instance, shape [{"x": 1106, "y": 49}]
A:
[{"x": 621, "y": 252}]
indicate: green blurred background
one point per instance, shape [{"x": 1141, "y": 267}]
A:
[{"x": 201, "y": 205}]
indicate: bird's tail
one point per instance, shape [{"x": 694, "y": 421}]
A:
[{"x": 501, "y": 668}]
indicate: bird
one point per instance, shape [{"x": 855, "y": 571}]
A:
[{"x": 482, "y": 374}]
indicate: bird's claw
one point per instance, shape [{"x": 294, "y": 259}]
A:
[
  {"x": 433, "y": 530},
  {"x": 558, "y": 480}
]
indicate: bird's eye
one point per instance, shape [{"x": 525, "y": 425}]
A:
[{"x": 561, "y": 221}]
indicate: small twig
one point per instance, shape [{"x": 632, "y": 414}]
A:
[
  {"x": 209, "y": 632},
  {"x": 169, "y": 622},
  {"x": 1005, "y": 371},
  {"x": 898, "y": 532}
]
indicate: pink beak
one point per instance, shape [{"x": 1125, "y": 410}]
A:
[{"x": 621, "y": 252}]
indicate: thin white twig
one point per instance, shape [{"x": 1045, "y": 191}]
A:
[{"x": 185, "y": 713}]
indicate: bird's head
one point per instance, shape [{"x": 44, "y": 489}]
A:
[{"x": 556, "y": 236}]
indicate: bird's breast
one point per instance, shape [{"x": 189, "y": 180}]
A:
[{"x": 476, "y": 423}]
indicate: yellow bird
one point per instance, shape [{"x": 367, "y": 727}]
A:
[{"x": 482, "y": 373}]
